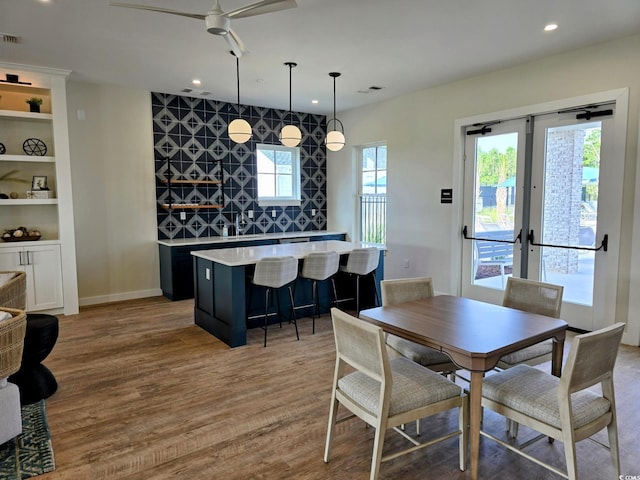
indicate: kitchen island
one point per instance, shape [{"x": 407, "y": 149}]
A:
[
  {"x": 222, "y": 278},
  {"x": 176, "y": 263}
]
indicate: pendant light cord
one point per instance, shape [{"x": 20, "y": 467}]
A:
[
  {"x": 238, "y": 82},
  {"x": 334, "y": 100}
]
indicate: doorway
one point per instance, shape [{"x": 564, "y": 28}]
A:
[{"x": 541, "y": 198}]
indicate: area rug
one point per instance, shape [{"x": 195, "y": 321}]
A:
[{"x": 31, "y": 453}]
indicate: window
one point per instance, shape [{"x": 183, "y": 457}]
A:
[
  {"x": 278, "y": 172},
  {"x": 373, "y": 194}
]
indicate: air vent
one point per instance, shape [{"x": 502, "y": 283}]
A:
[
  {"x": 8, "y": 38},
  {"x": 371, "y": 89},
  {"x": 195, "y": 91}
]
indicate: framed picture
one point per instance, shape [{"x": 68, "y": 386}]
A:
[{"x": 39, "y": 183}]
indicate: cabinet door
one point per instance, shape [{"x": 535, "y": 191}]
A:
[
  {"x": 10, "y": 259},
  {"x": 44, "y": 289}
]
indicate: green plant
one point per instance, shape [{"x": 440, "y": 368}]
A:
[{"x": 34, "y": 101}]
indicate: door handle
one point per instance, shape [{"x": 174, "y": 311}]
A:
[{"x": 603, "y": 245}]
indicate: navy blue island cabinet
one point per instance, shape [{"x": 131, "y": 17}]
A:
[
  {"x": 176, "y": 263},
  {"x": 222, "y": 279}
]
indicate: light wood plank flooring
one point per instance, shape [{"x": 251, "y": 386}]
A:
[{"x": 146, "y": 394}]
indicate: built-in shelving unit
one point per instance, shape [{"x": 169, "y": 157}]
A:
[{"x": 50, "y": 261}]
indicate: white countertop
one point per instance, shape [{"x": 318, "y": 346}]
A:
[
  {"x": 233, "y": 257},
  {"x": 178, "y": 242}
]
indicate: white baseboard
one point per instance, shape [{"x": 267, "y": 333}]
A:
[{"x": 119, "y": 297}]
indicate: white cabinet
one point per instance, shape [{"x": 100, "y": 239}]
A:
[
  {"x": 42, "y": 265},
  {"x": 36, "y": 145}
]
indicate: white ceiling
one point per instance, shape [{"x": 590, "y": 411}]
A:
[{"x": 401, "y": 45}]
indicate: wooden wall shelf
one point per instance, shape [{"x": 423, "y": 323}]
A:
[
  {"x": 193, "y": 182},
  {"x": 177, "y": 206}
]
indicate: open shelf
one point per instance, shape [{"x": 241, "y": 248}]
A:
[
  {"x": 177, "y": 206},
  {"x": 26, "y": 115},
  {"x": 29, "y": 201},
  {"x": 27, "y": 158},
  {"x": 192, "y": 182}
]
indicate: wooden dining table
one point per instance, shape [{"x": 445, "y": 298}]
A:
[{"x": 475, "y": 335}]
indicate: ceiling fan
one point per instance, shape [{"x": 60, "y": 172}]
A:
[{"x": 218, "y": 22}]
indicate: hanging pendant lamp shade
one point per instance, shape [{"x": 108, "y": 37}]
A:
[
  {"x": 290, "y": 135},
  {"x": 239, "y": 129},
  {"x": 335, "y": 138}
]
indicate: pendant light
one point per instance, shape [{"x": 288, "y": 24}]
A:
[
  {"x": 290, "y": 135},
  {"x": 335, "y": 138},
  {"x": 239, "y": 129}
]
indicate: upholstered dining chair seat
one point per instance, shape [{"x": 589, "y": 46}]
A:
[
  {"x": 417, "y": 353},
  {"x": 535, "y": 394},
  {"x": 413, "y": 387},
  {"x": 540, "y": 351}
]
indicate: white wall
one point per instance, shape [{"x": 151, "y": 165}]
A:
[
  {"x": 418, "y": 129},
  {"x": 112, "y": 169}
]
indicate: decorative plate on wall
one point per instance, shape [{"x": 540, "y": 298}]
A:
[
  {"x": 3, "y": 149},
  {"x": 34, "y": 146}
]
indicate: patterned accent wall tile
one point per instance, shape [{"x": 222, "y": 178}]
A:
[{"x": 191, "y": 143}]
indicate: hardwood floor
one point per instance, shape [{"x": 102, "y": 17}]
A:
[{"x": 146, "y": 394}]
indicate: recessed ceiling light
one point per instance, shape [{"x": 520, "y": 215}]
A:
[
  {"x": 551, "y": 27},
  {"x": 314, "y": 101},
  {"x": 195, "y": 81}
]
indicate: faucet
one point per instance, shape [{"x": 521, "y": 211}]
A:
[{"x": 237, "y": 225}]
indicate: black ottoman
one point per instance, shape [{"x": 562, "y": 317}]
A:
[{"x": 36, "y": 382}]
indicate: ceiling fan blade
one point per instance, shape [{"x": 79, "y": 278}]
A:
[
  {"x": 158, "y": 9},
  {"x": 235, "y": 43},
  {"x": 259, "y": 8}
]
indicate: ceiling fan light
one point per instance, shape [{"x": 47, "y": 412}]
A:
[
  {"x": 217, "y": 24},
  {"x": 239, "y": 130},
  {"x": 290, "y": 136},
  {"x": 335, "y": 140}
]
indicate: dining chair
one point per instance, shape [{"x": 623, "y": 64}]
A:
[
  {"x": 386, "y": 393},
  {"x": 408, "y": 290},
  {"x": 404, "y": 290},
  {"x": 318, "y": 267},
  {"x": 275, "y": 273},
  {"x": 361, "y": 262},
  {"x": 533, "y": 297},
  {"x": 562, "y": 408}
]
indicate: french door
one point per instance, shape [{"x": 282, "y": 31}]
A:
[{"x": 542, "y": 201}]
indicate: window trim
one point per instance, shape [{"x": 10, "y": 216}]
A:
[{"x": 296, "y": 173}]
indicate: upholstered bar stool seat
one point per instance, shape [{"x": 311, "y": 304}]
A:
[
  {"x": 318, "y": 267},
  {"x": 362, "y": 262},
  {"x": 274, "y": 273}
]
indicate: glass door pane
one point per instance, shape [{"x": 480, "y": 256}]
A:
[
  {"x": 570, "y": 208},
  {"x": 492, "y": 212}
]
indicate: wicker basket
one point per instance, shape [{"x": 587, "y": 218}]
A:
[
  {"x": 12, "y": 341},
  {"x": 14, "y": 293}
]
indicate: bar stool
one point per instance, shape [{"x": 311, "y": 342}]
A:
[
  {"x": 317, "y": 267},
  {"x": 274, "y": 273},
  {"x": 361, "y": 262}
]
